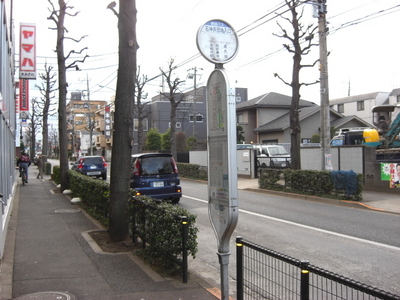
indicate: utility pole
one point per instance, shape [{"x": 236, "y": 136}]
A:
[
  {"x": 89, "y": 116},
  {"x": 324, "y": 87}
]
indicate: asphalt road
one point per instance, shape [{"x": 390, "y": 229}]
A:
[{"x": 361, "y": 244}]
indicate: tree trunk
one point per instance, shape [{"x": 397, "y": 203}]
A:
[
  {"x": 45, "y": 143},
  {"x": 295, "y": 128},
  {"x": 62, "y": 97},
  {"x": 123, "y": 122}
]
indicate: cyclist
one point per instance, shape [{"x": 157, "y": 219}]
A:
[{"x": 23, "y": 163}]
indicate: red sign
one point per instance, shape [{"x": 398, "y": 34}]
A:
[
  {"x": 24, "y": 95},
  {"x": 27, "y": 51}
]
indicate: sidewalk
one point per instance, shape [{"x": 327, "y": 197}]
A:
[{"x": 48, "y": 257}]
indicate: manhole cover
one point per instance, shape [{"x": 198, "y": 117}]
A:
[
  {"x": 67, "y": 211},
  {"x": 47, "y": 296}
]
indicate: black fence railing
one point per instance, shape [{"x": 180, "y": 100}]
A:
[{"x": 266, "y": 274}]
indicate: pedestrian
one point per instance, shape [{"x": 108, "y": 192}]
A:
[
  {"x": 24, "y": 162},
  {"x": 39, "y": 163}
]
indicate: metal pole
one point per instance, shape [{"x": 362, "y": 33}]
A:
[
  {"x": 304, "y": 281},
  {"x": 184, "y": 221},
  {"x": 224, "y": 264},
  {"x": 239, "y": 268},
  {"x": 324, "y": 92}
]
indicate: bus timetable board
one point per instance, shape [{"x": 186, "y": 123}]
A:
[{"x": 222, "y": 171}]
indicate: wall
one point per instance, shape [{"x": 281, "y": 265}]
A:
[
  {"x": 244, "y": 160},
  {"x": 360, "y": 159},
  {"x": 8, "y": 122}
]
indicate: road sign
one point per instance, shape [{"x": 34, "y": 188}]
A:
[{"x": 222, "y": 170}]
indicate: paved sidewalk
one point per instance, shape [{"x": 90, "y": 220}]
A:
[{"x": 51, "y": 258}]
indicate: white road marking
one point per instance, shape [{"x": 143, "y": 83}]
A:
[{"x": 309, "y": 227}]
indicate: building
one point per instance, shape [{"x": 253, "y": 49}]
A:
[
  {"x": 265, "y": 119},
  {"x": 191, "y": 113},
  {"x": 360, "y": 105},
  {"x": 9, "y": 133},
  {"x": 82, "y": 121}
]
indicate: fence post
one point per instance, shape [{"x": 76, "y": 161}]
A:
[
  {"x": 304, "y": 281},
  {"x": 239, "y": 268},
  {"x": 184, "y": 221}
]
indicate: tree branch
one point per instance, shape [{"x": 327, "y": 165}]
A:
[{"x": 281, "y": 79}]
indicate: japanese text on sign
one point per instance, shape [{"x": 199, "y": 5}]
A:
[{"x": 27, "y": 52}]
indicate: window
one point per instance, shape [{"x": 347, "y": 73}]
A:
[
  {"x": 360, "y": 105},
  {"x": 239, "y": 119},
  {"x": 177, "y": 125},
  {"x": 398, "y": 98},
  {"x": 199, "y": 118},
  {"x": 145, "y": 124},
  {"x": 340, "y": 108}
]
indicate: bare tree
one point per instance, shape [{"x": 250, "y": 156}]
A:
[
  {"x": 58, "y": 16},
  {"x": 46, "y": 89},
  {"x": 139, "y": 111},
  {"x": 123, "y": 120},
  {"x": 301, "y": 34},
  {"x": 174, "y": 98},
  {"x": 33, "y": 127}
]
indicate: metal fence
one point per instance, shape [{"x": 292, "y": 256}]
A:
[{"x": 266, "y": 274}]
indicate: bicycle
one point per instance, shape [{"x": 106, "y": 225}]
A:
[{"x": 23, "y": 176}]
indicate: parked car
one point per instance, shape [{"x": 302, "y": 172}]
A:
[
  {"x": 273, "y": 156},
  {"x": 94, "y": 166},
  {"x": 156, "y": 175}
]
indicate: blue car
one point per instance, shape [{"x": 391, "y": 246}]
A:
[
  {"x": 156, "y": 175},
  {"x": 93, "y": 166}
]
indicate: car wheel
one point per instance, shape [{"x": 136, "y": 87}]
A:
[
  {"x": 263, "y": 165},
  {"x": 175, "y": 200},
  {"x": 104, "y": 176}
]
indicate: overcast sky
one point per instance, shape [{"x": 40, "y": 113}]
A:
[{"x": 363, "y": 52}]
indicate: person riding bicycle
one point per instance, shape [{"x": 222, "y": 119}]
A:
[{"x": 23, "y": 163}]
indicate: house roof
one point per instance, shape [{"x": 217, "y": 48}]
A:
[
  {"x": 354, "y": 98},
  {"x": 395, "y": 92},
  {"x": 271, "y": 100},
  {"x": 283, "y": 122},
  {"x": 341, "y": 122}
]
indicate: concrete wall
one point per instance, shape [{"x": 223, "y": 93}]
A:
[
  {"x": 244, "y": 160},
  {"x": 360, "y": 159}
]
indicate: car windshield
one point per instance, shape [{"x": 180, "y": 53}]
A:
[
  {"x": 157, "y": 165},
  {"x": 277, "y": 150},
  {"x": 92, "y": 160}
]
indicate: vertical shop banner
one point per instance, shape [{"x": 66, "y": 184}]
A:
[
  {"x": 27, "y": 51},
  {"x": 107, "y": 121},
  {"x": 23, "y": 99}
]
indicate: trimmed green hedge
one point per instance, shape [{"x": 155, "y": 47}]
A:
[
  {"x": 193, "y": 171},
  {"x": 94, "y": 194},
  {"x": 56, "y": 176},
  {"x": 158, "y": 225},
  {"x": 307, "y": 182},
  {"x": 154, "y": 221}
]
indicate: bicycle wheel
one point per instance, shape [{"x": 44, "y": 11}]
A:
[{"x": 23, "y": 176}]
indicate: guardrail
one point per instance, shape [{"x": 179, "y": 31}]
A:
[{"x": 266, "y": 274}]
